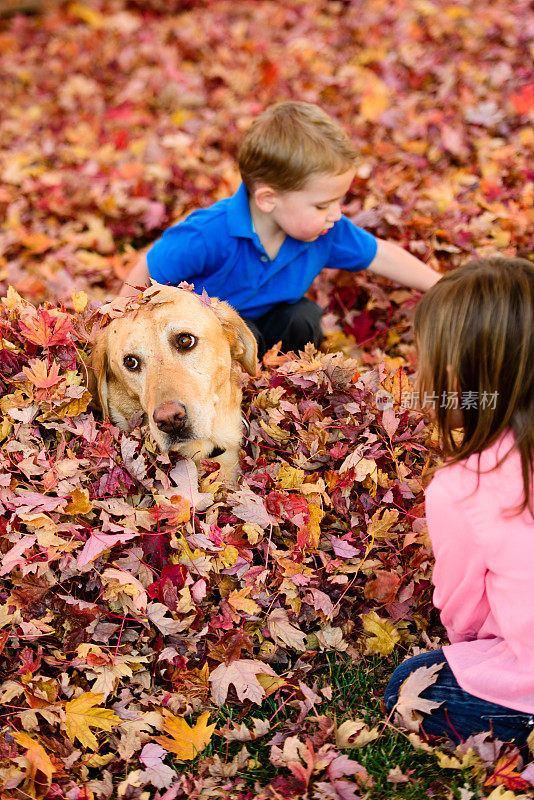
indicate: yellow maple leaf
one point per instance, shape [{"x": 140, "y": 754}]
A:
[
  {"x": 398, "y": 385},
  {"x": 91, "y": 16},
  {"x": 239, "y": 601},
  {"x": 500, "y": 793},
  {"x": 82, "y": 714},
  {"x": 253, "y": 532},
  {"x": 314, "y": 526},
  {"x": 228, "y": 556},
  {"x": 384, "y": 634},
  {"x": 37, "y": 242},
  {"x": 186, "y": 742},
  {"x": 269, "y": 683},
  {"x": 467, "y": 760},
  {"x": 73, "y": 407},
  {"x": 379, "y": 526},
  {"x": 275, "y": 432},
  {"x": 13, "y": 301},
  {"x": 354, "y": 733},
  {"x": 290, "y": 477},
  {"x": 39, "y": 765},
  {"x": 79, "y": 502}
]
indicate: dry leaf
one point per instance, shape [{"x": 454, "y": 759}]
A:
[
  {"x": 185, "y": 742},
  {"x": 82, "y": 713},
  {"x": 242, "y": 674},
  {"x": 410, "y": 706}
]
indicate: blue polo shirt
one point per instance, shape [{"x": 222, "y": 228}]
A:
[{"x": 217, "y": 249}]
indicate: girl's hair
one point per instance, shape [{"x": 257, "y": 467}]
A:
[
  {"x": 291, "y": 141},
  {"x": 475, "y": 334}
]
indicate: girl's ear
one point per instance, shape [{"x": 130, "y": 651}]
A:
[{"x": 264, "y": 197}]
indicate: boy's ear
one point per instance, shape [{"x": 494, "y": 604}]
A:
[{"x": 264, "y": 197}]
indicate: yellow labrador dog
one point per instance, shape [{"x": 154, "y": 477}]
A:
[{"x": 173, "y": 356}]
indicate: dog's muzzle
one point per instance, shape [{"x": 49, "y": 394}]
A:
[{"x": 171, "y": 418}]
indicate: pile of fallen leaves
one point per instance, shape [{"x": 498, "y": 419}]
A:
[{"x": 134, "y": 594}]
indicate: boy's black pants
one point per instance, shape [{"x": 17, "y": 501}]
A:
[{"x": 294, "y": 324}]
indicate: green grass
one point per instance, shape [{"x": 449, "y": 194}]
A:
[{"x": 357, "y": 690}]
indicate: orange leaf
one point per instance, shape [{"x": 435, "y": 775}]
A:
[
  {"x": 186, "y": 742},
  {"x": 40, "y": 767},
  {"x": 39, "y": 375},
  {"x": 505, "y": 774},
  {"x": 46, "y": 329}
]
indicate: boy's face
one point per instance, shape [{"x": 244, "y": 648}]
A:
[{"x": 307, "y": 213}]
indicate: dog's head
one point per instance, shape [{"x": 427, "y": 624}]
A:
[{"x": 172, "y": 358}]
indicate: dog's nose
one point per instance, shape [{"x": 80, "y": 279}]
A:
[{"x": 170, "y": 417}]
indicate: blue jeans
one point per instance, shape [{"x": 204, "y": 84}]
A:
[{"x": 461, "y": 714}]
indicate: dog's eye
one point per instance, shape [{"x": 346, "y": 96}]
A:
[
  {"x": 131, "y": 363},
  {"x": 185, "y": 341}
]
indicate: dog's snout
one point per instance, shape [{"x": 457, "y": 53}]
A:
[{"x": 170, "y": 417}]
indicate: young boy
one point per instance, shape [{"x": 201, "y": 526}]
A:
[{"x": 261, "y": 249}]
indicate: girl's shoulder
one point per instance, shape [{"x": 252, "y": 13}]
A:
[{"x": 495, "y": 468}]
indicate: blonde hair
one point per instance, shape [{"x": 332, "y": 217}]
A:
[
  {"x": 291, "y": 141},
  {"x": 475, "y": 333}
]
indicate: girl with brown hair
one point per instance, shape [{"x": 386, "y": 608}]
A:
[{"x": 475, "y": 336}]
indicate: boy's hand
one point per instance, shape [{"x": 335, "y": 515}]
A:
[
  {"x": 396, "y": 264},
  {"x": 139, "y": 277}
]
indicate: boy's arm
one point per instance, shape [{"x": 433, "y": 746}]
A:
[
  {"x": 396, "y": 264},
  {"x": 137, "y": 278}
]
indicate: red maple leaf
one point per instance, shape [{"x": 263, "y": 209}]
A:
[
  {"x": 46, "y": 329},
  {"x": 505, "y": 774}
]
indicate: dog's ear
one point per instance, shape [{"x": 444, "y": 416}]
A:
[
  {"x": 243, "y": 345},
  {"x": 98, "y": 372}
]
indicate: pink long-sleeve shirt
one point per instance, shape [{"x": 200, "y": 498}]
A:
[{"x": 484, "y": 575}]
